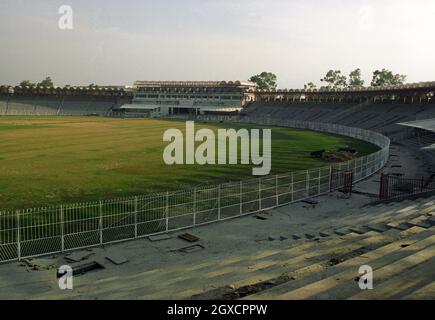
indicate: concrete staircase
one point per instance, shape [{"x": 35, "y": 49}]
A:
[
  {"x": 397, "y": 240},
  {"x": 399, "y": 244}
]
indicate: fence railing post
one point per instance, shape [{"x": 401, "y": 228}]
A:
[
  {"x": 241, "y": 198},
  {"x": 136, "y": 208},
  {"x": 100, "y": 223},
  {"x": 320, "y": 176},
  {"x": 219, "y": 201},
  {"x": 292, "y": 189},
  {"x": 383, "y": 187},
  {"x": 167, "y": 211},
  {"x": 276, "y": 191},
  {"x": 62, "y": 229},
  {"x": 308, "y": 183},
  {"x": 194, "y": 206},
  {"x": 330, "y": 178},
  {"x": 259, "y": 194},
  {"x": 18, "y": 235}
]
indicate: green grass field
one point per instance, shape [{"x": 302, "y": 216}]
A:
[{"x": 53, "y": 160}]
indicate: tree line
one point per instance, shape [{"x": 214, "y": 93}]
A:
[
  {"x": 47, "y": 82},
  {"x": 335, "y": 79}
]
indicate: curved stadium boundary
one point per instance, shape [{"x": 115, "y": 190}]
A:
[{"x": 43, "y": 231}]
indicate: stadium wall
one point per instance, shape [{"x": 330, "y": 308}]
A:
[{"x": 52, "y": 105}]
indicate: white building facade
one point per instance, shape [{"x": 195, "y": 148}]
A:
[{"x": 162, "y": 98}]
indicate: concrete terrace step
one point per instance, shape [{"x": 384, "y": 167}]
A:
[
  {"x": 420, "y": 221},
  {"x": 385, "y": 263},
  {"x": 385, "y": 218},
  {"x": 304, "y": 263},
  {"x": 406, "y": 275},
  {"x": 402, "y": 214},
  {"x": 400, "y": 225},
  {"x": 266, "y": 268},
  {"x": 381, "y": 214},
  {"x": 360, "y": 230},
  {"x": 427, "y": 292},
  {"x": 333, "y": 281},
  {"x": 272, "y": 266},
  {"x": 193, "y": 278},
  {"x": 269, "y": 268},
  {"x": 312, "y": 261},
  {"x": 379, "y": 228},
  {"x": 342, "y": 231}
]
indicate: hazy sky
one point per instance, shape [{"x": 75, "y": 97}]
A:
[{"x": 118, "y": 42}]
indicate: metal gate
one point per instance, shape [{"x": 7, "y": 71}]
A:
[
  {"x": 342, "y": 181},
  {"x": 397, "y": 187}
]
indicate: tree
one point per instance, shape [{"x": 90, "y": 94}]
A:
[
  {"x": 385, "y": 77},
  {"x": 355, "y": 79},
  {"x": 310, "y": 86},
  {"x": 93, "y": 85},
  {"x": 47, "y": 82},
  {"x": 264, "y": 81},
  {"x": 26, "y": 83},
  {"x": 334, "y": 79}
]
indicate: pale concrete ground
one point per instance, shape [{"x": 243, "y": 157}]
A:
[
  {"x": 403, "y": 160},
  {"x": 240, "y": 238}
]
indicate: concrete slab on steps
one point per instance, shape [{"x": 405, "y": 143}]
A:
[
  {"x": 277, "y": 238},
  {"x": 78, "y": 256},
  {"x": 360, "y": 230},
  {"x": 116, "y": 259},
  {"x": 421, "y": 224},
  {"x": 431, "y": 221},
  {"x": 379, "y": 227},
  {"x": 342, "y": 231},
  {"x": 392, "y": 231},
  {"x": 159, "y": 237},
  {"x": 265, "y": 215},
  {"x": 402, "y": 226},
  {"x": 324, "y": 234}
]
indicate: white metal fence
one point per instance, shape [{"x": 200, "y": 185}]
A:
[{"x": 34, "y": 232}]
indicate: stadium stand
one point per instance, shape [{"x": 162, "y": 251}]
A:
[
  {"x": 67, "y": 106},
  {"x": 397, "y": 240},
  {"x": 38, "y": 106},
  {"x": 80, "y": 107},
  {"x": 20, "y": 106},
  {"x": 377, "y": 117},
  {"x": 68, "y": 101},
  {"x": 3, "y": 105},
  {"x": 298, "y": 251}
]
